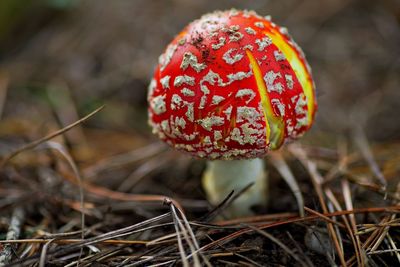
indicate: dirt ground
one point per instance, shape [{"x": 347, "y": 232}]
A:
[{"x": 98, "y": 194}]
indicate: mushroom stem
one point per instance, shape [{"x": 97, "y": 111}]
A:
[{"x": 223, "y": 176}]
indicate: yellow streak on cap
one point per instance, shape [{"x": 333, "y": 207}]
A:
[
  {"x": 274, "y": 125},
  {"x": 298, "y": 67}
]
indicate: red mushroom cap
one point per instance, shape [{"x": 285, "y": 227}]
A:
[{"x": 231, "y": 85}]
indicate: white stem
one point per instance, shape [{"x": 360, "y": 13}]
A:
[{"x": 221, "y": 177}]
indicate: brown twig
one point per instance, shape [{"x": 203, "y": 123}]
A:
[
  {"x": 104, "y": 192},
  {"x": 323, "y": 217},
  {"x": 13, "y": 233}
]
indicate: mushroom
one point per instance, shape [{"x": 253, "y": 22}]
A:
[{"x": 229, "y": 88}]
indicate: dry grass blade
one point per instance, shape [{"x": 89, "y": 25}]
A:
[
  {"x": 162, "y": 239},
  {"x": 110, "y": 194},
  {"x": 395, "y": 248},
  {"x": 329, "y": 194},
  {"x": 344, "y": 159},
  {"x": 379, "y": 234},
  {"x": 193, "y": 238},
  {"x": 182, "y": 252},
  {"x": 361, "y": 141},
  {"x": 349, "y": 206},
  {"x": 229, "y": 200},
  {"x": 280, "y": 164},
  {"x": 42, "y": 261},
  {"x": 383, "y": 234},
  {"x": 280, "y": 244},
  {"x": 366, "y": 228},
  {"x": 184, "y": 229},
  {"x": 383, "y": 251},
  {"x": 341, "y": 167},
  {"x": 189, "y": 228},
  {"x": 317, "y": 181},
  {"x": 216, "y": 210},
  {"x": 65, "y": 109},
  {"x": 325, "y": 218},
  {"x": 47, "y": 137}
]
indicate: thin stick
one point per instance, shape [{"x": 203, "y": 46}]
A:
[
  {"x": 327, "y": 219},
  {"x": 192, "y": 239},
  {"x": 329, "y": 194},
  {"x": 383, "y": 251},
  {"x": 383, "y": 232},
  {"x": 280, "y": 164},
  {"x": 13, "y": 233},
  {"x": 47, "y": 137},
  {"x": 42, "y": 261},
  {"x": 349, "y": 205},
  {"x": 394, "y": 247},
  {"x": 182, "y": 252}
]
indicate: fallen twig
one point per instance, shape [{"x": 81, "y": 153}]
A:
[{"x": 13, "y": 233}]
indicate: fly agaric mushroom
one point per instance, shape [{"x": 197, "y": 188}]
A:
[{"x": 229, "y": 88}]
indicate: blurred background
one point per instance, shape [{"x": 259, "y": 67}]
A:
[{"x": 54, "y": 53}]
